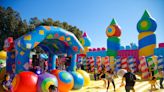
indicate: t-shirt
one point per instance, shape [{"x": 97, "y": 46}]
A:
[
  {"x": 130, "y": 79},
  {"x": 7, "y": 84},
  {"x": 109, "y": 76}
]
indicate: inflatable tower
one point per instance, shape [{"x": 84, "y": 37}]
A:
[
  {"x": 86, "y": 42},
  {"x": 113, "y": 33},
  {"x": 146, "y": 38}
]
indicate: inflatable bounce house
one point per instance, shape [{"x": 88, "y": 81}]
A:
[
  {"x": 54, "y": 41},
  {"x": 141, "y": 58}
]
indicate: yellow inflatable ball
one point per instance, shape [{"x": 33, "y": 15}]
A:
[
  {"x": 85, "y": 76},
  {"x": 3, "y": 55}
]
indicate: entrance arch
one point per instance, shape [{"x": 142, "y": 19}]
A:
[{"x": 54, "y": 39}]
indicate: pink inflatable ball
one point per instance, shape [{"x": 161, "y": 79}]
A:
[
  {"x": 103, "y": 49},
  {"x": 90, "y": 49},
  {"x": 94, "y": 49},
  {"x": 45, "y": 80},
  {"x": 121, "y": 72},
  {"x": 25, "y": 82},
  {"x": 98, "y": 49}
]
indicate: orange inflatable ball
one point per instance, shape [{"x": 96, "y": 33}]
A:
[
  {"x": 55, "y": 72},
  {"x": 65, "y": 80},
  {"x": 25, "y": 82}
]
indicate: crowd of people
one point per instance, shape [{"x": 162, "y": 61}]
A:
[{"x": 107, "y": 76}]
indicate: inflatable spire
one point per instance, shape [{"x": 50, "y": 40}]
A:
[
  {"x": 146, "y": 38},
  {"x": 113, "y": 33},
  {"x": 85, "y": 41}
]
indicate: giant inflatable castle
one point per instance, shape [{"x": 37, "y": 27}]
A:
[{"x": 141, "y": 58}]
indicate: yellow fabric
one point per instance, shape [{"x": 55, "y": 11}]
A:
[
  {"x": 143, "y": 34},
  {"x": 147, "y": 51}
]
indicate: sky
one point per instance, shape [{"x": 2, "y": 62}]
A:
[{"x": 93, "y": 16}]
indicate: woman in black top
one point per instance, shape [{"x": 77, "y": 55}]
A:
[{"x": 102, "y": 76}]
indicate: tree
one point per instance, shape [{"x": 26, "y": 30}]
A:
[{"x": 11, "y": 24}]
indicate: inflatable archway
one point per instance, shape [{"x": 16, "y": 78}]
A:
[{"x": 53, "y": 39}]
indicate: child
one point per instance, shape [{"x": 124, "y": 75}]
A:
[
  {"x": 153, "y": 82},
  {"x": 7, "y": 84},
  {"x": 52, "y": 88}
]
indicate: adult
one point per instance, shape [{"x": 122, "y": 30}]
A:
[
  {"x": 129, "y": 78},
  {"x": 102, "y": 76},
  {"x": 161, "y": 72},
  {"x": 109, "y": 77}
]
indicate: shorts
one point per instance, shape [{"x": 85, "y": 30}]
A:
[
  {"x": 128, "y": 88},
  {"x": 103, "y": 76}
]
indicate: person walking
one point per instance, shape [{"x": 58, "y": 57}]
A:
[
  {"x": 161, "y": 72},
  {"x": 129, "y": 78},
  {"x": 102, "y": 76},
  {"x": 109, "y": 77}
]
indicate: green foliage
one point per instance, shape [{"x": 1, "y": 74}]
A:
[{"x": 11, "y": 25}]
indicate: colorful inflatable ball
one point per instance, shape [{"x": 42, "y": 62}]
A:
[
  {"x": 78, "y": 80},
  {"x": 45, "y": 80},
  {"x": 25, "y": 82},
  {"x": 65, "y": 80},
  {"x": 3, "y": 55},
  {"x": 85, "y": 76}
]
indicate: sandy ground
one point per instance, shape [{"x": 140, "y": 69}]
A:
[{"x": 97, "y": 86}]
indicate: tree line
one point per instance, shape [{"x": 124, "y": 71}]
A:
[{"x": 12, "y": 25}]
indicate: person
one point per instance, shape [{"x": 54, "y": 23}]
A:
[
  {"x": 129, "y": 78},
  {"x": 6, "y": 83},
  {"x": 95, "y": 73},
  {"x": 109, "y": 77},
  {"x": 161, "y": 72},
  {"x": 102, "y": 76},
  {"x": 161, "y": 75},
  {"x": 52, "y": 88},
  {"x": 153, "y": 80}
]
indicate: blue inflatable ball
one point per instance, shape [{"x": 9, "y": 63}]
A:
[{"x": 78, "y": 80}]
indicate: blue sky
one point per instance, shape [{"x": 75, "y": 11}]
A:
[{"x": 93, "y": 16}]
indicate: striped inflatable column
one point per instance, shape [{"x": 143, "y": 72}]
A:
[
  {"x": 98, "y": 62},
  {"x": 152, "y": 65},
  {"x": 107, "y": 63},
  {"x": 124, "y": 64},
  {"x": 113, "y": 33},
  {"x": 87, "y": 63},
  {"x": 144, "y": 68},
  {"x": 147, "y": 39},
  {"x": 135, "y": 64},
  {"x": 161, "y": 62},
  {"x": 118, "y": 62},
  {"x": 112, "y": 62},
  {"x": 92, "y": 64},
  {"x": 131, "y": 63}
]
